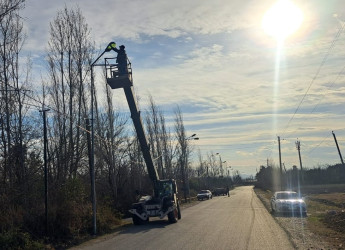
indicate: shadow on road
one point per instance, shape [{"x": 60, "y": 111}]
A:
[
  {"x": 132, "y": 229},
  {"x": 287, "y": 215}
]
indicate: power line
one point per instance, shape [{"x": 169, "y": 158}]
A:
[
  {"x": 323, "y": 95},
  {"x": 340, "y": 30},
  {"x": 318, "y": 145},
  {"x": 63, "y": 114}
]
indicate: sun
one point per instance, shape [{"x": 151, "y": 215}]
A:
[{"x": 282, "y": 19}]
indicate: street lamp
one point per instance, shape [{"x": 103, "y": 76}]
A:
[
  {"x": 221, "y": 164},
  {"x": 192, "y": 137},
  {"x": 184, "y": 168},
  {"x": 92, "y": 159}
]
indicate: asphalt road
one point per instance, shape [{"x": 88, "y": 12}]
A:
[{"x": 236, "y": 222}]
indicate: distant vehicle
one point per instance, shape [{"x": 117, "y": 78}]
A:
[
  {"x": 220, "y": 191},
  {"x": 288, "y": 202},
  {"x": 204, "y": 194}
]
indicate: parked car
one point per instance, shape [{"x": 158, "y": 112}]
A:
[
  {"x": 204, "y": 194},
  {"x": 220, "y": 191},
  {"x": 288, "y": 202}
]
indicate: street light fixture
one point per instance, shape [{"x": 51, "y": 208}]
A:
[{"x": 192, "y": 137}]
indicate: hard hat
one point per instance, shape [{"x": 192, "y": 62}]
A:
[{"x": 122, "y": 46}]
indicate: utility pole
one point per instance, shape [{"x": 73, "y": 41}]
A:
[
  {"x": 88, "y": 138},
  {"x": 280, "y": 164},
  {"x": 92, "y": 158},
  {"x": 298, "y": 146},
  {"x": 336, "y": 143},
  {"x": 184, "y": 165},
  {"x": 44, "y": 110}
]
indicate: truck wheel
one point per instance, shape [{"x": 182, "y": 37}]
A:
[
  {"x": 272, "y": 210},
  {"x": 173, "y": 216},
  {"x": 137, "y": 221},
  {"x": 178, "y": 211}
]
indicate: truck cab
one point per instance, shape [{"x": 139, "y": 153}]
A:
[{"x": 164, "y": 202}]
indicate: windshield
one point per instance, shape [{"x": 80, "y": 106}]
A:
[
  {"x": 163, "y": 188},
  {"x": 203, "y": 191},
  {"x": 287, "y": 196}
]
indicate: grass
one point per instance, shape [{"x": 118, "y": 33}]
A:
[{"x": 323, "y": 189}]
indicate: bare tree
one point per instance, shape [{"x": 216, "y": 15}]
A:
[
  {"x": 112, "y": 144},
  {"x": 8, "y": 6},
  {"x": 167, "y": 149},
  {"x": 12, "y": 109},
  {"x": 154, "y": 135},
  {"x": 69, "y": 57},
  {"x": 160, "y": 139},
  {"x": 183, "y": 151}
]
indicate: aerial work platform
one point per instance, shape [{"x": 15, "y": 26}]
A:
[
  {"x": 115, "y": 79},
  {"x": 165, "y": 201}
]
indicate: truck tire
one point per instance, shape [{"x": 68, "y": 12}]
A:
[
  {"x": 173, "y": 216},
  {"x": 178, "y": 211},
  {"x": 272, "y": 209},
  {"x": 137, "y": 221}
]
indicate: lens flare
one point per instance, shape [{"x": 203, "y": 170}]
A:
[{"x": 282, "y": 19}]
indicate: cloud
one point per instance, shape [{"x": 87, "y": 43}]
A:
[{"x": 131, "y": 19}]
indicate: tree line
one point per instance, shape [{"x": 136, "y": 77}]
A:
[{"x": 271, "y": 178}]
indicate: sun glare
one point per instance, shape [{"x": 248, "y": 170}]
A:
[{"x": 282, "y": 19}]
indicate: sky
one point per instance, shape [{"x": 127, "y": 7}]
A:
[{"x": 238, "y": 87}]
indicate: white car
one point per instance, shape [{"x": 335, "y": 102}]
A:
[
  {"x": 204, "y": 194},
  {"x": 288, "y": 202}
]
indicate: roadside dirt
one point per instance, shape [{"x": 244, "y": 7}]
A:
[
  {"x": 336, "y": 221},
  {"x": 297, "y": 229}
]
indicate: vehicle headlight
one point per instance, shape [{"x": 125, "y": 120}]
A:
[{"x": 279, "y": 203}]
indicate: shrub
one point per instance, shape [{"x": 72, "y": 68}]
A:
[{"x": 16, "y": 239}]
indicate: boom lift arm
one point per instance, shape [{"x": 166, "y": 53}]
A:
[{"x": 135, "y": 114}]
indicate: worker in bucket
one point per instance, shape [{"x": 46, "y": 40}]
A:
[{"x": 121, "y": 60}]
